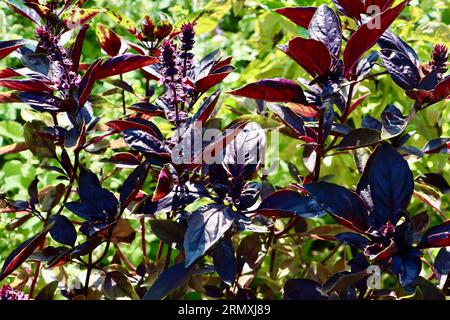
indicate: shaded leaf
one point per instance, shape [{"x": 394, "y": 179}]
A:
[{"x": 170, "y": 280}]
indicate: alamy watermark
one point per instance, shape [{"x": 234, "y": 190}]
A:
[{"x": 245, "y": 145}]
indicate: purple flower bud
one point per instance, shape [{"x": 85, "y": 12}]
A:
[
  {"x": 168, "y": 59},
  {"x": 439, "y": 58},
  {"x": 8, "y": 293},
  {"x": 187, "y": 44}
]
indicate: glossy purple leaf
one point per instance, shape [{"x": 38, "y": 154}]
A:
[
  {"x": 358, "y": 138},
  {"x": 438, "y": 145},
  {"x": 63, "y": 230},
  {"x": 206, "y": 226},
  {"x": 365, "y": 65},
  {"x": 164, "y": 184},
  {"x": 78, "y": 47},
  {"x": 437, "y": 236},
  {"x": 207, "y": 107},
  {"x": 87, "y": 82},
  {"x": 289, "y": 118},
  {"x": 442, "y": 262},
  {"x": 36, "y": 62},
  {"x": 404, "y": 73},
  {"x": 41, "y": 101},
  {"x": 353, "y": 239},
  {"x": 143, "y": 142},
  {"x": 407, "y": 266},
  {"x": 310, "y": 54},
  {"x": 325, "y": 27},
  {"x": 393, "y": 42},
  {"x": 133, "y": 184},
  {"x": 391, "y": 183},
  {"x": 209, "y": 81},
  {"x": 274, "y": 90},
  {"x": 287, "y": 203},
  {"x": 225, "y": 262},
  {"x": 345, "y": 205},
  {"x": 394, "y": 123},
  {"x": 351, "y": 8},
  {"x": 123, "y": 64}
]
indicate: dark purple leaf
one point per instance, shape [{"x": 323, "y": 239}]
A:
[
  {"x": 391, "y": 41},
  {"x": 87, "y": 82},
  {"x": 123, "y": 64},
  {"x": 170, "y": 280},
  {"x": 435, "y": 180},
  {"x": 27, "y": 85},
  {"x": 133, "y": 184},
  {"x": 206, "y": 226},
  {"x": 351, "y": 8},
  {"x": 135, "y": 124},
  {"x": 404, "y": 73},
  {"x": 353, "y": 239},
  {"x": 109, "y": 41},
  {"x": 325, "y": 27},
  {"x": 391, "y": 183},
  {"x": 407, "y": 266},
  {"x": 207, "y": 107},
  {"x": 245, "y": 152},
  {"x": 41, "y": 101},
  {"x": 303, "y": 289},
  {"x": 209, "y": 81},
  {"x": 274, "y": 90},
  {"x": 394, "y": 123},
  {"x": 442, "y": 262},
  {"x": 143, "y": 142},
  {"x": 78, "y": 46},
  {"x": 365, "y": 65},
  {"x": 225, "y": 261},
  {"x": 437, "y": 236},
  {"x": 289, "y": 202},
  {"x": 36, "y": 62},
  {"x": 164, "y": 184},
  {"x": 147, "y": 108},
  {"x": 345, "y": 205},
  {"x": 289, "y": 118},
  {"x": 438, "y": 145},
  {"x": 366, "y": 36},
  {"x": 169, "y": 231},
  {"x": 358, "y": 138},
  {"x": 20, "y": 8},
  {"x": 63, "y": 230}
]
